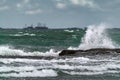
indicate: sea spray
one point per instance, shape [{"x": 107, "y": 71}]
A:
[{"x": 96, "y": 37}]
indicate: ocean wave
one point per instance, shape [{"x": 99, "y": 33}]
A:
[
  {"x": 96, "y": 37},
  {"x": 35, "y": 73},
  {"x": 79, "y": 63},
  {"x": 71, "y": 66},
  {"x": 89, "y": 73},
  {"x": 70, "y": 31},
  {"x": 8, "y": 51},
  {"x": 23, "y": 34}
]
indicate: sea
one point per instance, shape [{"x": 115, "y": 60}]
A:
[{"x": 47, "y": 44}]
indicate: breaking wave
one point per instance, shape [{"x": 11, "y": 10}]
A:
[
  {"x": 25, "y": 34},
  {"x": 96, "y": 37},
  {"x": 52, "y": 68},
  {"x": 70, "y": 31},
  {"x": 35, "y": 73},
  {"x": 8, "y": 51}
]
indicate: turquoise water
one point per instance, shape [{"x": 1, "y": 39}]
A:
[
  {"x": 50, "y": 43},
  {"x": 37, "y": 40}
]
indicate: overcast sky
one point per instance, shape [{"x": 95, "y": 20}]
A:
[{"x": 59, "y": 13}]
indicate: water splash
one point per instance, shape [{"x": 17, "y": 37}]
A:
[{"x": 96, "y": 37}]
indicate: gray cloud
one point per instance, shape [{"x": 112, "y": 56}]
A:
[
  {"x": 60, "y": 12},
  {"x": 33, "y": 12},
  {"x": 85, "y": 3},
  {"x": 60, "y": 5},
  {"x": 2, "y": 8},
  {"x": 80, "y": 3}
]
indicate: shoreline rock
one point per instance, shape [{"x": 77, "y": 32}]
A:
[{"x": 94, "y": 51}]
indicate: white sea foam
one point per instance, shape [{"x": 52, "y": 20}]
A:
[
  {"x": 74, "y": 36},
  {"x": 17, "y": 69},
  {"x": 28, "y": 34},
  {"x": 72, "y": 66},
  {"x": 35, "y": 73},
  {"x": 69, "y": 31},
  {"x": 17, "y": 35},
  {"x": 94, "y": 68},
  {"x": 23, "y": 34},
  {"x": 6, "y": 50},
  {"x": 89, "y": 73},
  {"x": 20, "y": 32},
  {"x": 81, "y": 60},
  {"x": 75, "y": 63},
  {"x": 95, "y": 37}
]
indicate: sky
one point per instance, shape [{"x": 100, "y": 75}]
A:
[{"x": 59, "y": 13}]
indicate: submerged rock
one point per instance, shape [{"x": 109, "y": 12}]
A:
[{"x": 95, "y": 51}]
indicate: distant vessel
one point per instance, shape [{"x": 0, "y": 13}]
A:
[{"x": 38, "y": 27}]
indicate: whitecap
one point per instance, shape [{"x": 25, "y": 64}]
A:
[
  {"x": 6, "y": 51},
  {"x": 71, "y": 31},
  {"x": 35, "y": 73}
]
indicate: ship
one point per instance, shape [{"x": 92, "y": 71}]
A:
[{"x": 39, "y": 26}]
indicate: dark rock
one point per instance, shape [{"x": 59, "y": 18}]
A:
[{"x": 95, "y": 51}]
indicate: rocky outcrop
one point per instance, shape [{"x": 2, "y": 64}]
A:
[
  {"x": 69, "y": 53},
  {"x": 95, "y": 51}
]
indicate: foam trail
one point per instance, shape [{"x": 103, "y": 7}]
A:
[{"x": 95, "y": 37}]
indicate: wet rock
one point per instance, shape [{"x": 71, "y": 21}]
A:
[{"x": 95, "y": 51}]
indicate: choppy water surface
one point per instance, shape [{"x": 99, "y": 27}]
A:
[{"x": 48, "y": 43}]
